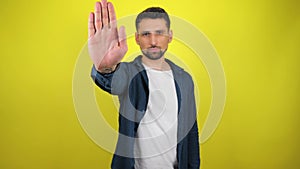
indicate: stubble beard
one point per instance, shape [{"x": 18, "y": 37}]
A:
[{"x": 154, "y": 55}]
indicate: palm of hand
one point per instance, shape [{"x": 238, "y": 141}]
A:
[{"x": 106, "y": 45}]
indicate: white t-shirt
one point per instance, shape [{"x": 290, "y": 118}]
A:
[{"x": 155, "y": 146}]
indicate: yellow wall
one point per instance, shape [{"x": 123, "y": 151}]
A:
[{"x": 258, "y": 44}]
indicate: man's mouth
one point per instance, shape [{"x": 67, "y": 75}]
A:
[{"x": 154, "y": 49}]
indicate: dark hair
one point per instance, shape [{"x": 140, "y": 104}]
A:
[{"x": 153, "y": 13}]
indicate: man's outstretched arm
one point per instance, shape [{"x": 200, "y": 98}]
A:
[{"x": 107, "y": 46}]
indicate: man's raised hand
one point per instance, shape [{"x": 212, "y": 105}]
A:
[{"x": 107, "y": 46}]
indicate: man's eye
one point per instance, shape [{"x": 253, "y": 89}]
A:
[{"x": 146, "y": 34}]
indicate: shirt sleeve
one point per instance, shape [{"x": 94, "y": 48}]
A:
[
  {"x": 114, "y": 82},
  {"x": 193, "y": 137},
  {"x": 194, "y": 155}
]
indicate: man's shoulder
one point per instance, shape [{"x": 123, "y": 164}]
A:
[
  {"x": 178, "y": 70},
  {"x": 136, "y": 65},
  {"x": 130, "y": 68}
]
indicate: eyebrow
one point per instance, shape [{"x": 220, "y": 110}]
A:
[{"x": 159, "y": 30}]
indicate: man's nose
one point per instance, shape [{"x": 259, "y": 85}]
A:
[{"x": 153, "y": 39}]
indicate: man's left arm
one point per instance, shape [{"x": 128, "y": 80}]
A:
[
  {"x": 194, "y": 155},
  {"x": 193, "y": 138}
]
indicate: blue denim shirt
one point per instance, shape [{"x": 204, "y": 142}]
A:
[{"x": 130, "y": 83}]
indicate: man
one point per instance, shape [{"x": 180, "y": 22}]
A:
[{"x": 157, "y": 120}]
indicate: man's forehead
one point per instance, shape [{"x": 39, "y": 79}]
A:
[{"x": 149, "y": 24}]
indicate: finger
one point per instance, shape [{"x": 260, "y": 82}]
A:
[
  {"x": 104, "y": 12},
  {"x": 91, "y": 26},
  {"x": 111, "y": 15},
  {"x": 122, "y": 38},
  {"x": 98, "y": 21}
]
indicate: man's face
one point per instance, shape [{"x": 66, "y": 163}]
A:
[{"x": 153, "y": 37}]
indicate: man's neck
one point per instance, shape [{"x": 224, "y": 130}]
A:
[{"x": 159, "y": 64}]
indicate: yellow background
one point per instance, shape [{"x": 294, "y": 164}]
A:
[{"x": 258, "y": 43}]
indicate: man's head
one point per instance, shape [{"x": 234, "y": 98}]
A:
[
  {"x": 152, "y": 13},
  {"x": 153, "y": 32}
]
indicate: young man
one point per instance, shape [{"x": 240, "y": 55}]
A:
[{"x": 157, "y": 120}]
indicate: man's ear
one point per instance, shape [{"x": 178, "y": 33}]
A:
[
  {"x": 170, "y": 36},
  {"x": 137, "y": 40}
]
